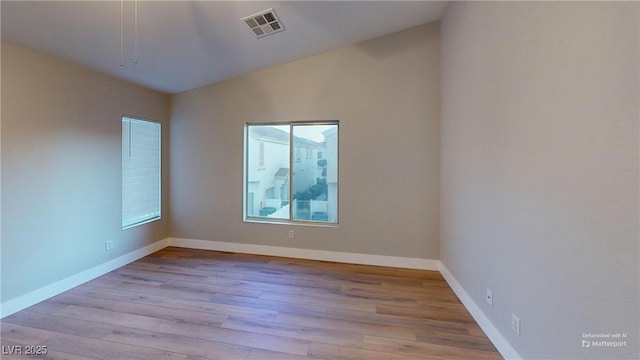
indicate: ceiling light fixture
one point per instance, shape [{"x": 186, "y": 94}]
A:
[
  {"x": 135, "y": 32},
  {"x": 264, "y": 23}
]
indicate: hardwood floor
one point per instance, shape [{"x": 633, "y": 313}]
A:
[{"x": 194, "y": 304}]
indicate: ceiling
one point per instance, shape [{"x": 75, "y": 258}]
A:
[{"x": 187, "y": 44}]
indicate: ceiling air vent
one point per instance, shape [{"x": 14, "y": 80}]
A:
[{"x": 264, "y": 23}]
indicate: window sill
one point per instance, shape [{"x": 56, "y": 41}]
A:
[
  {"x": 141, "y": 223},
  {"x": 290, "y": 222}
]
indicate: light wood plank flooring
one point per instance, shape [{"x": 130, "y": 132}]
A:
[{"x": 194, "y": 304}]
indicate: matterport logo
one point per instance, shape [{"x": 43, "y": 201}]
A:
[{"x": 604, "y": 340}]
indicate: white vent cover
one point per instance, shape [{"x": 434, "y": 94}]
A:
[{"x": 264, "y": 23}]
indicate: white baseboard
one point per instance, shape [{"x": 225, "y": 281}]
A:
[
  {"x": 22, "y": 302},
  {"x": 342, "y": 257},
  {"x": 503, "y": 346}
]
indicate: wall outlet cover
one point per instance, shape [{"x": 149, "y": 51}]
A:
[{"x": 515, "y": 324}]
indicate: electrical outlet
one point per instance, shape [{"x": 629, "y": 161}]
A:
[
  {"x": 292, "y": 234},
  {"x": 490, "y": 297},
  {"x": 108, "y": 245},
  {"x": 515, "y": 324}
]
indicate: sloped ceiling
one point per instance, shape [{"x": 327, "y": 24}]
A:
[{"x": 186, "y": 44}]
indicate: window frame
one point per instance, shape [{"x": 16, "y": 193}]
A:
[
  {"x": 147, "y": 220},
  {"x": 292, "y": 161}
]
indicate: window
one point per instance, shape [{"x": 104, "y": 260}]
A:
[
  {"x": 297, "y": 150},
  {"x": 261, "y": 156},
  {"x": 292, "y": 188},
  {"x": 140, "y": 171}
]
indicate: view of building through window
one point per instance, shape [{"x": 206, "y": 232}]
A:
[{"x": 292, "y": 172}]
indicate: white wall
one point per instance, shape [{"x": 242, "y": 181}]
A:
[
  {"x": 540, "y": 169},
  {"x": 384, "y": 92},
  {"x": 61, "y": 169}
]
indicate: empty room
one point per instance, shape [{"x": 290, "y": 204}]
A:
[{"x": 320, "y": 180}]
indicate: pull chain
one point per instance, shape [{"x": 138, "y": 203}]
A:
[
  {"x": 121, "y": 32},
  {"x": 135, "y": 32}
]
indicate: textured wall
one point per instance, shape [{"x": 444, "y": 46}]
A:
[
  {"x": 384, "y": 92},
  {"x": 540, "y": 169},
  {"x": 61, "y": 169}
]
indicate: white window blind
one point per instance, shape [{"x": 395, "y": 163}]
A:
[{"x": 140, "y": 171}]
